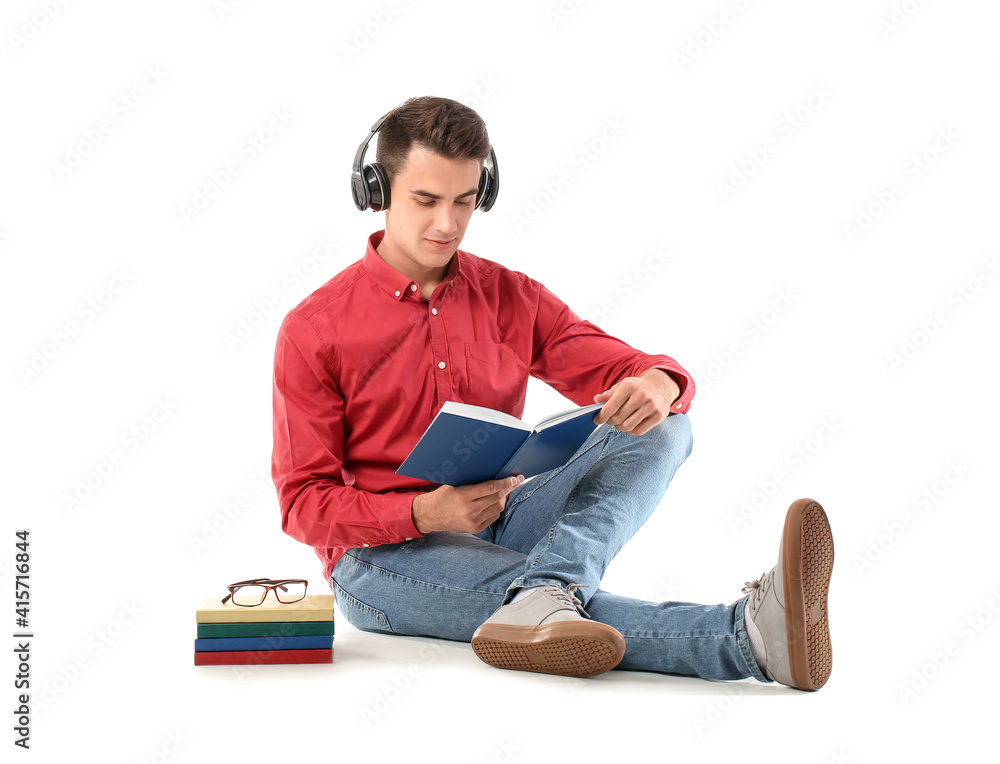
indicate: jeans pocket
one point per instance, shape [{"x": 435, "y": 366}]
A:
[{"x": 361, "y": 616}]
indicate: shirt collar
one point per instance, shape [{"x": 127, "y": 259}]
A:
[{"x": 396, "y": 284}]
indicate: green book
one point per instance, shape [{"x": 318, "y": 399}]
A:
[{"x": 264, "y": 629}]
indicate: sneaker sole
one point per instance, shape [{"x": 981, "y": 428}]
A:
[
  {"x": 569, "y": 648},
  {"x": 807, "y": 562}
]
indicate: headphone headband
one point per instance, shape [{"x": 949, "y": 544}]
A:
[{"x": 370, "y": 182}]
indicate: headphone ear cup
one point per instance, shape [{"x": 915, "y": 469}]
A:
[
  {"x": 378, "y": 186},
  {"x": 359, "y": 191},
  {"x": 481, "y": 192},
  {"x": 489, "y": 183}
]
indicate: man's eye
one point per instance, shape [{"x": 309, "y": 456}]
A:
[{"x": 428, "y": 204}]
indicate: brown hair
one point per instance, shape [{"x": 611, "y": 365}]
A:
[{"x": 444, "y": 126}]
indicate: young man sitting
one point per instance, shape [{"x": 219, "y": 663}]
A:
[{"x": 364, "y": 363}]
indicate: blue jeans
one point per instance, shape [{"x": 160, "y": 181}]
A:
[{"x": 561, "y": 527}]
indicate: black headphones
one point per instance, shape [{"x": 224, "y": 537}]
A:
[{"x": 370, "y": 183}]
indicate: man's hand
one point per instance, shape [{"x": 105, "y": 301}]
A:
[
  {"x": 462, "y": 508},
  {"x": 637, "y": 404}
]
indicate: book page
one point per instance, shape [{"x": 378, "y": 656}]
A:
[
  {"x": 482, "y": 414},
  {"x": 562, "y": 416}
]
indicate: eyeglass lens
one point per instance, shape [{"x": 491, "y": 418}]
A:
[{"x": 254, "y": 594}]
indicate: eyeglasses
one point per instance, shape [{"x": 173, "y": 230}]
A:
[{"x": 252, "y": 593}]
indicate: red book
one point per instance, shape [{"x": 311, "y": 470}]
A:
[{"x": 250, "y": 657}]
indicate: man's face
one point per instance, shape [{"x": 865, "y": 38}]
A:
[{"x": 431, "y": 201}]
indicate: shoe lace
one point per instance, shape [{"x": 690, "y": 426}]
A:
[
  {"x": 758, "y": 586},
  {"x": 569, "y": 597}
]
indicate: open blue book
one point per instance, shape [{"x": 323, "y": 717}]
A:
[{"x": 469, "y": 444}]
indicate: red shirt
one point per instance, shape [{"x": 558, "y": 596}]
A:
[{"x": 363, "y": 364}]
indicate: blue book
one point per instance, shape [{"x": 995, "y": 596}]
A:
[
  {"x": 213, "y": 644},
  {"x": 469, "y": 444}
]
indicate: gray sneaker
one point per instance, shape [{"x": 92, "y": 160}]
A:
[
  {"x": 548, "y": 631},
  {"x": 788, "y": 605}
]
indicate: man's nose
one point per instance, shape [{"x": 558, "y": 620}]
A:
[{"x": 444, "y": 221}]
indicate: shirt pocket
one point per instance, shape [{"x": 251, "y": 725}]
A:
[
  {"x": 493, "y": 353},
  {"x": 496, "y": 377}
]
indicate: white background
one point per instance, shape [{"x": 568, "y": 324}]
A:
[{"x": 117, "y": 576}]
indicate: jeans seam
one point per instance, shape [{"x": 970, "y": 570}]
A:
[
  {"x": 679, "y": 636},
  {"x": 743, "y": 644},
  {"x": 558, "y": 471},
  {"x": 523, "y": 582},
  {"x": 355, "y": 602},
  {"x": 417, "y": 580},
  {"x": 569, "y": 503}
]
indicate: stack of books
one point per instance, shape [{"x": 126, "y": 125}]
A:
[{"x": 299, "y": 632}]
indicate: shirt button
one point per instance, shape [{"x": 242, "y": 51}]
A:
[
  {"x": 441, "y": 365},
  {"x": 680, "y": 405},
  {"x": 409, "y": 538},
  {"x": 364, "y": 545},
  {"x": 413, "y": 287},
  {"x": 434, "y": 311},
  {"x": 397, "y": 293}
]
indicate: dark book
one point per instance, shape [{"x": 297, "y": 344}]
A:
[
  {"x": 469, "y": 444},
  {"x": 266, "y": 629},
  {"x": 216, "y": 644}
]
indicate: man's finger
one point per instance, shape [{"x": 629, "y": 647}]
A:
[
  {"x": 606, "y": 412},
  {"x": 509, "y": 484},
  {"x": 634, "y": 420},
  {"x": 490, "y": 488},
  {"x": 612, "y": 406}
]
